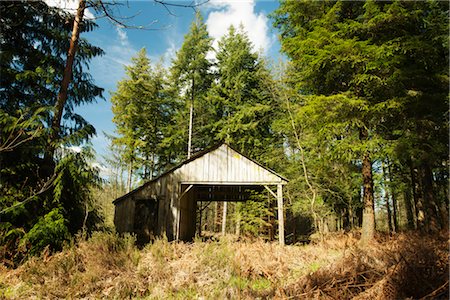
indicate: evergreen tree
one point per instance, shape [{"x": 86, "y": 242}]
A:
[
  {"x": 140, "y": 112},
  {"x": 241, "y": 96},
  {"x": 357, "y": 63},
  {"x": 34, "y": 42},
  {"x": 190, "y": 79}
]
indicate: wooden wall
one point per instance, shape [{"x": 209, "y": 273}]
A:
[
  {"x": 176, "y": 216},
  {"x": 224, "y": 165}
]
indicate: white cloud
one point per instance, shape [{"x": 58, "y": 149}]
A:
[
  {"x": 109, "y": 68},
  {"x": 169, "y": 54},
  {"x": 223, "y": 14},
  {"x": 123, "y": 37},
  {"x": 69, "y": 6}
]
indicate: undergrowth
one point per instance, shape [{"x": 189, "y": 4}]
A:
[{"x": 109, "y": 266}]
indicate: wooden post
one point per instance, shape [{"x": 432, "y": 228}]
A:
[
  {"x": 224, "y": 218},
  {"x": 280, "y": 214}
]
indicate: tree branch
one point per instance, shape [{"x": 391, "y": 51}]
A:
[{"x": 43, "y": 189}]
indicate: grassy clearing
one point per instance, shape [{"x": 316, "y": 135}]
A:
[{"x": 106, "y": 266}]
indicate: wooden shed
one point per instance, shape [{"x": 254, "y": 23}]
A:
[{"x": 167, "y": 204}]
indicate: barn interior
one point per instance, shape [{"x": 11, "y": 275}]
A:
[{"x": 196, "y": 197}]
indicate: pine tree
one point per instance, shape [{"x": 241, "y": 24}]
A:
[
  {"x": 140, "y": 112},
  {"x": 356, "y": 63},
  {"x": 34, "y": 49},
  {"x": 190, "y": 79},
  {"x": 241, "y": 96}
]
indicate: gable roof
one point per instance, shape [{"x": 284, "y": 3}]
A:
[{"x": 193, "y": 158}]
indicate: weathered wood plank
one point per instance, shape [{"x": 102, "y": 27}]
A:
[{"x": 222, "y": 166}]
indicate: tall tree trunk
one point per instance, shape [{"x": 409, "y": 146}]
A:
[
  {"x": 67, "y": 77},
  {"x": 388, "y": 208},
  {"x": 394, "y": 210},
  {"x": 409, "y": 208},
  {"x": 386, "y": 196},
  {"x": 199, "y": 225},
  {"x": 418, "y": 198},
  {"x": 351, "y": 217},
  {"x": 216, "y": 217},
  {"x": 368, "y": 222},
  {"x": 146, "y": 167},
  {"x": 432, "y": 222},
  {"x": 238, "y": 219},
  {"x": 394, "y": 197},
  {"x": 191, "y": 116},
  {"x": 443, "y": 211},
  {"x": 152, "y": 169},
  {"x": 130, "y": 175}
]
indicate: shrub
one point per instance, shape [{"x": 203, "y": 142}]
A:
[{"x": 50, "y": 230}]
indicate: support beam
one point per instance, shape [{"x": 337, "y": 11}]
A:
[
  {"x": 186, "y": 190},
  {"x": 270, "y": 191},
  {"x": 224, "y": 218},
  {"x": 280, "y": 214}
]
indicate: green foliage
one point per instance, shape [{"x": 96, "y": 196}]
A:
[
  {"x": 139, "y": 96},
  {"x": 190, "y": 79},
  {"x": 50, "y": 230},
  {"x": 241, "y": 97},
  {"x": 253, "y": 215},
  {"x": 41, "y": 203},
  {"x": 380, "y": 67},
  {"x": 73, "y": 187}
]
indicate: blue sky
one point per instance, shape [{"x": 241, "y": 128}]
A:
[{"x": 162, "y": 38}]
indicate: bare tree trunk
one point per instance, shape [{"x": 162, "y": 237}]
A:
[
  {"x": 152, "y": 169},
  {"x": 191, "y": 112},
  {"x": 313, "y": 191},
  {"x": 418, "y": 198},
  {"x": 191, "y": 116},
  {"x": 394, "y": 197},
  {"x": 368, "y": 222},
  {"x": 130, "y": 174},
  {"x": 386, "y": 196},
  {"x": 430, "y": 204},
  {"x": 394, "y": 210},
  {"x": 238, "y": 219},
  {"x": 67, "y": 77},
  {"x": 443, "y": 211},
  {"x": 216, "y": 217},
  {"x": 199, "y": 225},
  {"x": 351, "y": 216},
  {"x": 409, "y": 207},
  {"x": 388, "y": 208}
]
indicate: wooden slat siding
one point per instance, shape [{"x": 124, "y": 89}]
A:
[
  {"x": 125, "y": 216},
  {"x": 225, "y": 165},
  {"x": 170, "y": 205},
  {"x": 221, "y": 166},
  {"x": 188, "y": 215}
]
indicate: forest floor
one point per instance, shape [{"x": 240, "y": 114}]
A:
[{"x": 406, "y": 265}]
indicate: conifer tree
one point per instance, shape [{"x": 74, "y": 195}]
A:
[
  {"x": 34, "y": 40},
  {"x": 190, "y": 79},
  {"x": 140, "y": 111},
  {"x": 241, "y": 97},
  {"x": 357, "y": 65}
]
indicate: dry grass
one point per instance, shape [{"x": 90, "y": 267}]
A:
[{"x": 106, "y": 266}]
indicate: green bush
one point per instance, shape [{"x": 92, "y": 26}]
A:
[{"x": 50, "y": 230}]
